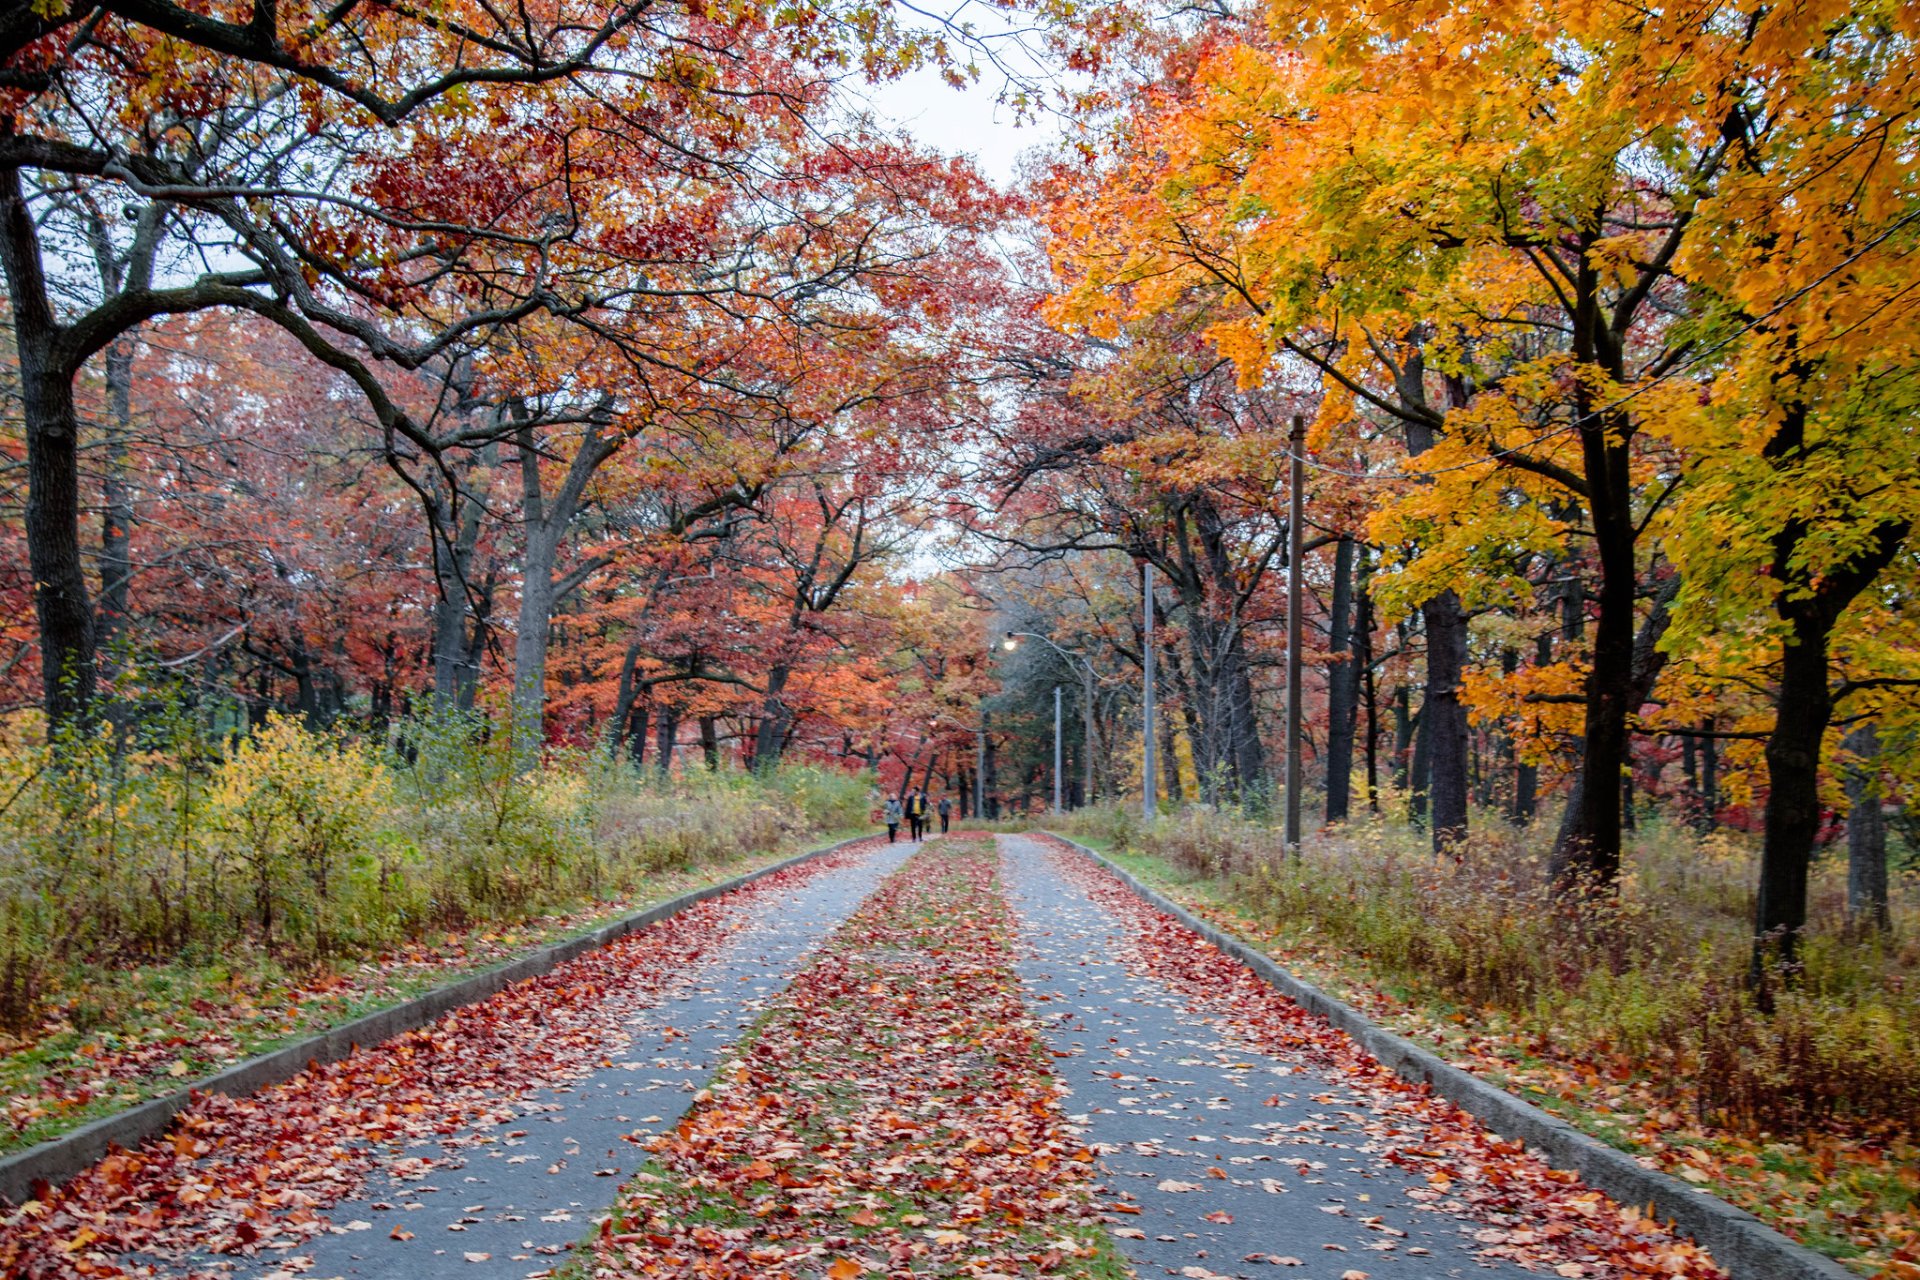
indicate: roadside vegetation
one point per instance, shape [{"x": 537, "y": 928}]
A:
[
  {"x": 1630, "y": 1017},
  {"x": 171, "y": 904}
]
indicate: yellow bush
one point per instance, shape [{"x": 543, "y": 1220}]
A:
[{"x": 294, "y": 808}]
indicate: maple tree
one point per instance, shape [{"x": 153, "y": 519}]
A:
[{"x": 1558, "y": 278}]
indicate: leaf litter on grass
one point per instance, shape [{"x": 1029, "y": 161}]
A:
[
  {"x": 239, "y": 1176},
  {"x": 894, "y": 1115},
  {"x": 140, "y": 1032}
]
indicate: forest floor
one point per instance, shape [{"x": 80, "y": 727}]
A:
[
  {"x": 968, "y": 1058},
  {"x": 1857, "y": 1200},
  {"x": 139, "y": 1031}
]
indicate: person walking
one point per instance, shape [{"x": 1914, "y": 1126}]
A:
[
  {"x": 893, "y": 818},
  {"x": 917, "y": 812},
  {"x": 946, "y": 812}
]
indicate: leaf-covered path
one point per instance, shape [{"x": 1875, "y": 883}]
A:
[
  {"x": 1240, "y": 1134},
  {"x": 956, "y": 1065},
  {"x": 472, "y": 1147}
]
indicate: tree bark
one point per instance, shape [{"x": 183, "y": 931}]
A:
[
  {"x": 452, "y": 566},
  {"x": 1803, "y": 708},
  {"x": 1343, "y": 687},
  {"x": 116, "y": 510},
  {"x": 667, "y": 733},
  {"x": 776, "y": 718},
  {"x": 1869, "y": 909},
  {"x": 545, "y": 526},
  {"x": 52, "y": 517},
  {"x": 1443, "y": 718},
  {"x": 1363, "y": 672}
]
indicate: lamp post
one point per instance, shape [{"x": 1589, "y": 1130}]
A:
[
  {"x": 1056, "y": 751},
  {"x": 1087, "y": 678}
]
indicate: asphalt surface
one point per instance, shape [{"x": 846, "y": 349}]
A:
[
  {"x": 522, "y": 1200},
  {"x": 1240, "y": 1163},
  {"x": 1181, "y": 1120}
]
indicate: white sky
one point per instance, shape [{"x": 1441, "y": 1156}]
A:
[
  {"x": 961, "y": 122},
  {"x": 969, "y": 121}
]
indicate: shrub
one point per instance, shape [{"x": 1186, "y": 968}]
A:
[
  {"x": 154, "y": 841},
  {"x": 294, "y": 810}
]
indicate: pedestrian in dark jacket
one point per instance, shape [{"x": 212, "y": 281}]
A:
[{"x": 946, "y": 812}]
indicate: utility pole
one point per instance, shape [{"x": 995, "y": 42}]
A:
[
  {"x": 980, "y": 773},
  {"x": 1056, "y": 751},
  {"x": 1085, "y": 668},
  {"x": 1296, "y": 541},
  {"x": 1150, "y": 791}
]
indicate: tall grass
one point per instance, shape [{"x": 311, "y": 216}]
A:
[
  {"x": 163, "y": 846},
  {"x": 1648, "y": 985}
]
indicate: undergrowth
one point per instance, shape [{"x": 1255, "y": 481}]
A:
[
  {"x": 1631, "y": 1015},
  {"x": 168, "y": 904}
]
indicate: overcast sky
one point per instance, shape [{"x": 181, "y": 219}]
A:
[
  {"x": 968, "y": 121},
  {"x": 960, "y": 122}
]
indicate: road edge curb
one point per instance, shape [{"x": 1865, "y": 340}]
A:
[
  {"x": 1744, "y": 1246},
  {"x": 58, "y": 1159}
]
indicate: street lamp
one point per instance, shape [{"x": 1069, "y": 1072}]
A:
[{"x": 1087, "y": 679}]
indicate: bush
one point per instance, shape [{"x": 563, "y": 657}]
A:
[{"x": 294, "y": 811}]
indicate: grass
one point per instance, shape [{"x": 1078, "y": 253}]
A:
[
  {"x": 1632, "y": 1023},
  {"x": 132, "y": 1032}
]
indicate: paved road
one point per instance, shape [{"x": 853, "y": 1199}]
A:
[
  {"x": 524, "y": 1199},
  {"x": 1173, "y": 1106},
  {"x": 1239, "y": 1162}
]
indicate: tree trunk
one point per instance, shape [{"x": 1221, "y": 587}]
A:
[
  {"x": 989, "y": 775},
  {"x": 1709, "y": 779},
  {"x": 52, "y": 517},
  {"x": 1363, "y": 672},
  {"x": 452, "y": 564},
  {"x": 1171, "y": 768},
  {"x": 1803, "y": 707},
  {"x": 1402, "y": 735},
  {"x": 1343, "y": 687},
  {"x": 710, "y": 742},
  {"x": 116, "y": 512},
  {"x": 770, "y": 743},
  {"x": 1869, "y": 909},
  {"x": 636, "y": 730},
  {"x": 532, "y": 633},
  {"x": 1586, "y": 853},
  {"x": 1419, "y": 772},
  {"x": 668, "y": 732},
  {"x": 1443, "y": 717}
]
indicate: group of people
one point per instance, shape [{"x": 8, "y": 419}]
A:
[{"x": 918, "y": 812}]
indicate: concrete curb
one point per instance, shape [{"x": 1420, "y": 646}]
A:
[
  {"x": 59, "y": 1159},
  {"x": 1745, "y": 1247}
]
